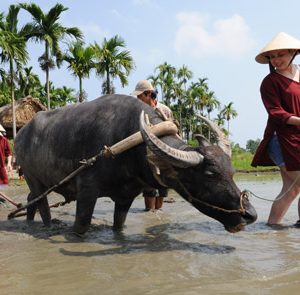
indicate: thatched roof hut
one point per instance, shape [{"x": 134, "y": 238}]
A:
[{"x": 25, "y": 109}]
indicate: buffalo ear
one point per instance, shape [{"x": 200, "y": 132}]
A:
[{"x": 202, "y": 140}]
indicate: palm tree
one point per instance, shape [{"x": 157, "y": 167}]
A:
[
  {"x": 220, "y": 120},
  {"x": 46, "y": 28},
  {"x": 229, "y": 113},
  {"x": 111, "y": 90},
  {"x": 211, "y": 103},
  {"x": 59, "y": 96},
  {"x": 167, "y": 75},
  {"x": 154, "y": 80},
  {"x": 180, "y": 94},
  {"x": 29, "y": 83},
  {"x": 112, "y": 62},
  {"x": 193, "y": 100},
  {"x": 202, "y": 90},
  {"x": 5, "y": 97},
  {"x": 184, "y": 74},
  {"x": 14, "y": 52},
  {"x": 62, "y": 96},
  {"x": 81, "y": 62}
]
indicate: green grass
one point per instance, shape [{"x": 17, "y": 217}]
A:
[{"x": 241, "y": 161}]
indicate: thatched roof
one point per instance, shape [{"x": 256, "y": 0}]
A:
[{"x": 25, "y": 109}]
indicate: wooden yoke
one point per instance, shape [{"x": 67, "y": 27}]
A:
[{"x": 163, "y": 128}]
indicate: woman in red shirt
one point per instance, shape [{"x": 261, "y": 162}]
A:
[
  {"x": 280, "y": 92},
  {"x": 5, "y": 156}
]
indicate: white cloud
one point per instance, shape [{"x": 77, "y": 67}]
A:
[
  {"x": 93, "y": 32},
  {"x": 229, "y": 37}
]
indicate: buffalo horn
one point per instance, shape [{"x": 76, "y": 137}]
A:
[
  {"x": 175, "y": 157},
  {"x": 222, "y": 139}
]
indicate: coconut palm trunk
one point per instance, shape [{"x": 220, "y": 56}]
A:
[
  {"x": 108, "y": 81},
  {"x": 47, "y": 75},
  {"x": 80, "y": 99},
  {"x": 12, "y": 93},
  {"x": 48, "y": 88}
]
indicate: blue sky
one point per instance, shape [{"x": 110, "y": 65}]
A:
[{"x": 216, "y": 39}]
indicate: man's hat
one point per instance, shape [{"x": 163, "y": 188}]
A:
[
  {"x": 142, "y": 86},
  {"x": 280, "y": 41}
]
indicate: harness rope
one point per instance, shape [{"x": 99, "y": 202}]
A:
[
  {"x": 279, "y": 197},
  {"x": 119, "y": 147},
  {"x": 84, "y": 164},
  {"x": 241, "y": 210},
  {"x": 191, "y": 199}
]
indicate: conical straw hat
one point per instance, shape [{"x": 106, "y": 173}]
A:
[{"x": 280, "y": 41}]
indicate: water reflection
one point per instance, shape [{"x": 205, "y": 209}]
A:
[{"x": 156, "y": 239}]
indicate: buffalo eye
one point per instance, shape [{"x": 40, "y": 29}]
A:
[{"x": 209, "y": 173}]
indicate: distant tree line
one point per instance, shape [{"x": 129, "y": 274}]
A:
[
  {"x": 251, "y": 147},
  {"x": 110, "y": 60}
]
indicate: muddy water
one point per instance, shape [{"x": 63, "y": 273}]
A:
[{"x": 175, "y": 251}]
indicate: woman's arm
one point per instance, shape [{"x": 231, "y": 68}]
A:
[{"x": 293, "y": 120}]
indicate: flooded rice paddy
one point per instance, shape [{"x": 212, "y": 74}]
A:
[{"x": 174, "y": 251}]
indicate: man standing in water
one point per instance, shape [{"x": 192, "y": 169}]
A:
[{"x": 146, "y": 93}]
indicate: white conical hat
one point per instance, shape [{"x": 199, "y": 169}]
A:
[
  {"x": 2, "y": 129},
  {"x": 280, "y": 41}
]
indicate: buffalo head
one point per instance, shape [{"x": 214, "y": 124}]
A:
[{"x": 202, "y": 175}]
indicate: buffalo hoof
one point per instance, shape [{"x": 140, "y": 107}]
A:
[
  {"x": 78, "y": 234},
  {"x": 118, "y": 229},
  {"x": 47, "y": 225},
  {"x": 80, "y": 230}
]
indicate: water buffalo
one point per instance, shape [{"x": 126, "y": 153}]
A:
[{"x": 52, "y": 145}]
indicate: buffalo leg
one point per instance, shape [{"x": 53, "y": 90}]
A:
[
  {"x": 120, "y": 214},
  {"x": 84, "y": 213},
  {"x": 31, "y": 210},
  {"x": 44, "y": 209}
]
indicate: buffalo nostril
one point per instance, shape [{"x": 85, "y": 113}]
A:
[{"x": 250, "y": 215}]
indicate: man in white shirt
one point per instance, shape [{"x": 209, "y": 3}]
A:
[{"x": 146, "y": 93}]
